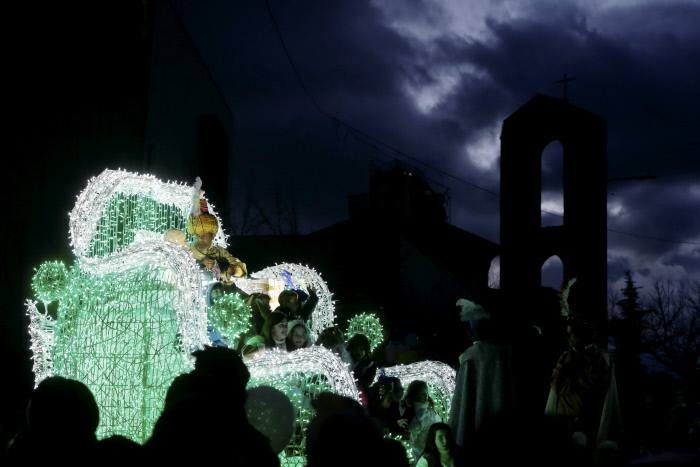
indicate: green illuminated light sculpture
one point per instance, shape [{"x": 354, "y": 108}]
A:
[
  {"x": 369, "y": 325},
  {"x": 130, "y": 310}
]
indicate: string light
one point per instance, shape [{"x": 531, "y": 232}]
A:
[
  {"x": 231, "y": 316},
  {"x": 369, "y": 325},
  {"x": 118, "y": 334},
  {"x": 314, "y": 360},
  {"x": 41, "y": 338},
  {"x": 49, "y": 281},
  {"x": 178, "y": 269}
]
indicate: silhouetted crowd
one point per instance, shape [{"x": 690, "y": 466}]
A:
[{"x": 494, "y": 419}]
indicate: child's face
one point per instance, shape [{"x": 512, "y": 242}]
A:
[
  {"x": 441, "y": 440},
  {"x": 299, "y": 336},
  {"x": 279, "y": 331}
]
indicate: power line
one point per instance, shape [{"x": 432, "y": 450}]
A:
[
  {"x": 376, "y": 142},
  {"x": 658, "y": 239},
  {"x": 356, "y": 131},
  {"x": 630, "y": 234}
]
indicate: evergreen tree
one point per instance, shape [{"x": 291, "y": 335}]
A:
[
  {"x": 631, "y": 310},
  {"x": 627, "y": 331}
]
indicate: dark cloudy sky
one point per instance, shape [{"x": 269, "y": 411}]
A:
[{"x": 435, "y": 79}]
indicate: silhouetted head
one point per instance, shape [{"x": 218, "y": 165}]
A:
[
  {"x": 117, "y": 450},
  {"x": 359, "y": 347},
  {"x": 330, "y": 338},
  {"x": 225, "y": 369},
  {"x": 289, "y": 300},
  {"x": 339, "y": 419},
  {"x": 63, "y": 408}
]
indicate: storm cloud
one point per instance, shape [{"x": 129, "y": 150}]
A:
[{"x": 435, "y": 79}]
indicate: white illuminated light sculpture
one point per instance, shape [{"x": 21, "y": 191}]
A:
[
  {"x": 312, "y": 361},
  {"x": 441, "y": 379},
  {"x": 304, "y": 277},
  {"x": 177, "y": 269},
  {"x": 131, "y": 309},
  {"x": 86, "y": 216},
  {"x": 41, "y": 338}
]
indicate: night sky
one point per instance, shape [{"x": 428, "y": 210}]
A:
[{"x": 435, "y": 79}]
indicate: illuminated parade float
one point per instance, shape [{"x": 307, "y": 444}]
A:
[{"x": 125, "y": 317}]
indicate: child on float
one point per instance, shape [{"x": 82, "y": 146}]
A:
[
  {"x": 384, "y": 399},
  {"x": 363, "y": 367},
  {"x": 298, "y": 335},
  {"x": 298, "y": 304},
  {"x": 332, "y": 339},
  {"x": 260, "y": 304},
  {"x": 417, "y": 415},
  {"x": 275, "y": 331}
]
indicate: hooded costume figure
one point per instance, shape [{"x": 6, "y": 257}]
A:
[{"x": 485, "y": 379}]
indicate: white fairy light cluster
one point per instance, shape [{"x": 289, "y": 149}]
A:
[
  {"x": 441, "y": 379},
  {"x": 304, "y": 277},
  {"x": 41, "y": 337},
  {"x": 177, "y": 267},
  {"x": 310, "y": 361},
  {"x": 91, "y": 202}
]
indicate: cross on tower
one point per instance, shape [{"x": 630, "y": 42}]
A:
[{"x": 564, "y": 82}]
